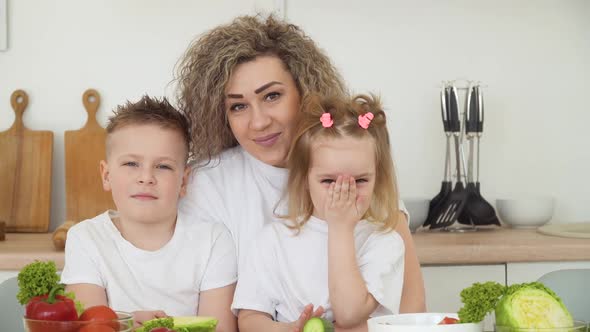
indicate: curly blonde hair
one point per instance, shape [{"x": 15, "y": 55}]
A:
[
  {"x": 383, "y": 209},
  {"x": 206, "y": 67}
]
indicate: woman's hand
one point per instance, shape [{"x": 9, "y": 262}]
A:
[
  {"x": 341, "y": 207},
  {"x": 306, "y": 314},
  {"x": 139, "y": 317}
]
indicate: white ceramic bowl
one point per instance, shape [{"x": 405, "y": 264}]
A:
[
  {"x": 418, "y": 210},
  {"x": 424, "y": 322},
  {"x": 526, "y": 212}
]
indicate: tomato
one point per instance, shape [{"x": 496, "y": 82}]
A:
[
  {"x": 97, "y": 328},
  {"x": 98, "y": 312},
  {"x": 448, "y": 320},
  {"x": 102, "y": 317}
]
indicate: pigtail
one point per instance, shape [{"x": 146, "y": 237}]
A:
[
  {"x": 384, "y": 208},
  {"x": 364, "y": 104}
]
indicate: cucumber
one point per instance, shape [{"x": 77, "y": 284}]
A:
[{"x": 317, "y": 324}]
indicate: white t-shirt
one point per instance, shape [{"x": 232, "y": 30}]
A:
[
  {"x": 239, "y": 191},
  {"x": 198, "y": 257},
  {"x": 286, "y": 271}
]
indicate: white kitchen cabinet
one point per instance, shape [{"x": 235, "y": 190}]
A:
[
  {"x": 4, "y": 275},
  {"x": 527, "y": 272},
  {"x": 444, "y": 284}
]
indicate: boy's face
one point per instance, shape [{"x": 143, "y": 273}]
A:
[
  {"x": 332, "y": 157},
  {"x": 146, "y": 172}
]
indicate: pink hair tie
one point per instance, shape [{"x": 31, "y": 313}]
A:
[
  {"x": 365, "y": 120},
  {"x": 326, "y": 120}
]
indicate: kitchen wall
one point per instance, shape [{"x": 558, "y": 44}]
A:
[{"x": 533, "y": 56}]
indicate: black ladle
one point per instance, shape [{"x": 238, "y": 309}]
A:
[{"x": 479, "y": 211}]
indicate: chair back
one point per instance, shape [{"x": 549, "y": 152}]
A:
[
  {"x": 11, "y": 312},
  {"x": 573, "y": 287}
]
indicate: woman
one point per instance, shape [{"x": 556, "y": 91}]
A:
[{"x": 241, "y": 85}]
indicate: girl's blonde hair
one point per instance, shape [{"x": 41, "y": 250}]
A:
[
  {"x": 345, "y": 112},
  {"x": 204, "y": 71}
]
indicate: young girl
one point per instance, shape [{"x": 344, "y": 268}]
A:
[{"x": 336, "y": 249}]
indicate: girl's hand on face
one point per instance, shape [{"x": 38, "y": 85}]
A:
[
  {"x": 306, "y": 314},
  {"x": 139, "y": 317},
  {"x": 341, "y": 204}
]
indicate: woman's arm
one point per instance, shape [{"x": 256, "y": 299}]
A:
[
  {"x": 88, "y": 294},
  {"x": 359, "y": 328},
  {"x": 413, "y": 294},
  {"x": 256, "y": 321},
  {"x": 216, "y": 303}
]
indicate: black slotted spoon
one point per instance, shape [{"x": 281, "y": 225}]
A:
[{"x": 453, "y": 206}]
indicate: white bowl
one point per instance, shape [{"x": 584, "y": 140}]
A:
[
  {"x": 424, "y": 322},
  {"x": 418, "y": 210},
  {"x": 526, "y": 212}
]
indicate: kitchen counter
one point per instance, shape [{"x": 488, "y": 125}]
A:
[
  {"x": 20, "y": 249},
  {"x": 497, "y": 246}
]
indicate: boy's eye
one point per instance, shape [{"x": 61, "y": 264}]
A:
[
  {"x": 272, "y": 96},
  {"x": 237, "y": 107},
  {"x": 131, "y": 163},
  {"x": 163, "y": 166}
]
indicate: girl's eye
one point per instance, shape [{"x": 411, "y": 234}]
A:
[
  {"x": 272, "y": 96},
  {"x": 131, "y": 163},
  {"x": 362, "y": 181},
  {"x": 237, "y": 107},
  {"x": 162, "y": 166},
  {"x": 327, "y": 181}
]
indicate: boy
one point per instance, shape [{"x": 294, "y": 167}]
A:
[{"x": 146, "y": 258}]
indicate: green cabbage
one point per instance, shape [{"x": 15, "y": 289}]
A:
[{"x": 532, "y": 305}]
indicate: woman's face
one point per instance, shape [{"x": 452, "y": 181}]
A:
[{"x": 261, "y": 101}]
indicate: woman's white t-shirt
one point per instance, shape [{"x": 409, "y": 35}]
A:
[
  {"x": 238, "y": 191},
  {"x": 286, "y": 271},
  {"x": 198, "y": 257}
]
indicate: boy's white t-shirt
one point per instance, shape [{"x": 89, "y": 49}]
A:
[
  {"x": 239, "y": 191},
  {"x": 286, "y": 271},
  {"x": 198, "y": 257}
]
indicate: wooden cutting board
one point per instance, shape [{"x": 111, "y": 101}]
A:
[
  {"x": 84, "y": 149},
  {"x": 25, "y": 173},
  {"x": 577, "y": 230}
]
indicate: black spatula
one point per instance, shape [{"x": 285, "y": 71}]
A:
[
  {"x": 446, "y": 186},
  {"x": 453, "y": 206}
]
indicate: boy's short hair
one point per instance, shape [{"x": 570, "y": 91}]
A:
[{"x": 150, "y": 111}]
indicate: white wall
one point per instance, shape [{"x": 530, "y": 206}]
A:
[{"x": 534, "y": 56}]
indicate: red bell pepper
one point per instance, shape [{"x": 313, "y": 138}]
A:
[{"x": 52, "y": 307}]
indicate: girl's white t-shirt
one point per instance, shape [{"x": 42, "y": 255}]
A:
[
  {"x": 285, "y": 271},
  {"x": 239, "y": 191},
  {"x": 198, "y": 257}
]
